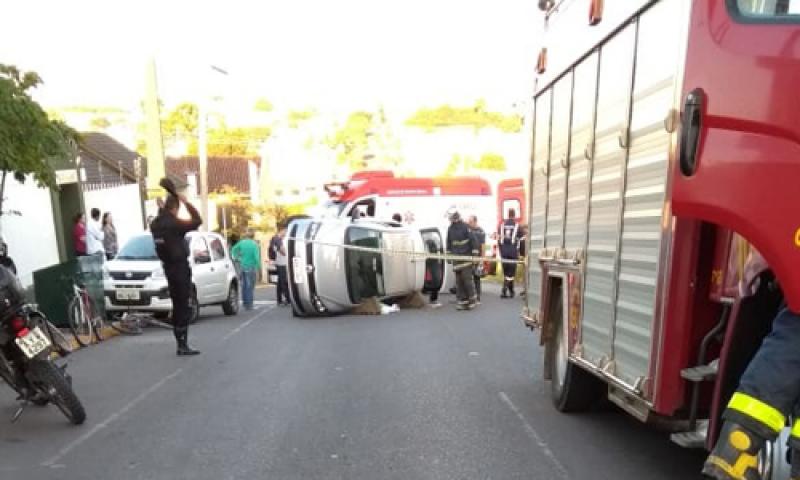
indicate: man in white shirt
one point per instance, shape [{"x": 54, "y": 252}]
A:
[{"x": 95, "y": 235}]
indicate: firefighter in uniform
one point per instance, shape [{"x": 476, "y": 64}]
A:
[
  {"x": 768, "y": 395},
  {"x": 169, "y": 234},
  {"x": 508, "y": 239},
  {"x": 460, "y": 241}
]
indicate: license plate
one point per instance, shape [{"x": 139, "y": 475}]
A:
[
  {"x": 128, "y": 294},
  {"x": 299, "y": 270},
  {"x": 34, "y": 343}
]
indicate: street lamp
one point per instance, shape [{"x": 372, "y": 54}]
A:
[{"x": 202, "y": 151}]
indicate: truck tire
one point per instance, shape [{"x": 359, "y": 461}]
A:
[{"x": 572, "y": 388}]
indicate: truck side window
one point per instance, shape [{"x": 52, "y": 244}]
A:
[{"x": 768, "y": 10}]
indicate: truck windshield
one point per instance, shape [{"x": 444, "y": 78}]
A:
[
  {"x": 141, "y": 247},
  {"x": 331, "y": 209},
  {"x": 364, "y": 270}
]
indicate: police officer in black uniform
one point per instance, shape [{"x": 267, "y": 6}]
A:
[
  {"x": 508, "y": 238},
  {"x": 169, "y": 234}
]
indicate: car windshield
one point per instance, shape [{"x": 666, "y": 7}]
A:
[{"x": 138, "y": 248}]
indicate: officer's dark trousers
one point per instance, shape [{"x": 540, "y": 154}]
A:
[
  {"x": 179, "y": 279},
  {"x": 465, "y": 286},
  {"x": 773, "y": 375}
]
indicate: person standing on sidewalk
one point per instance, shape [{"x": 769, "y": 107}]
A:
[
  {"x": 95, "y": 235},
  {"x": 169, "y": 235},
  {"x": 109, "y": 236},
  {"x": 461, "y": 242},
  {"x": 79, "y": 234},
  {"x": 480, "y": 240},
  {"x": 248, "y": 254},
  {"x": 278, "y": 252}
]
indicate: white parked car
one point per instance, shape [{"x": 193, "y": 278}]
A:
[
  {"x": 326, "y": 279},
  {"x": 135, "y": 281}
]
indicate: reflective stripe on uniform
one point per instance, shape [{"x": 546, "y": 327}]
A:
[
  {"x": 757, "y": 410},
  {"x": 796, "y": 429}
]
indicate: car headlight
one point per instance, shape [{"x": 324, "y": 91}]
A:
[{"x": 158, "y": 273}]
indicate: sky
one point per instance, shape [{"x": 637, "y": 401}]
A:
[{"x": 328, "y": 54}]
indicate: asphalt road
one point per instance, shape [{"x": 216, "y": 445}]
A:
[{"x": 426, "y": 394}]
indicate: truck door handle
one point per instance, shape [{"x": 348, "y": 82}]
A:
[
  {"x": 691, "y": 125},
  {"x": 212, "y": 269}
]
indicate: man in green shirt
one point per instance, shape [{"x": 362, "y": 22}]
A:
[{"x": 248, "y": 254}]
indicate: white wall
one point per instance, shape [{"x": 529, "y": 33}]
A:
[
  {"x": 124, "y": 204},
  {"x": 31, "y": 236}
]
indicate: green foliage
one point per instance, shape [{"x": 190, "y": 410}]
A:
[
  {"x": 263, "y": 105},
  {"x": 100, "y": 123},
  {"x": 234, "y": 142},
  {"x": 491, "y": 161},
  {"x": 351, "y": 140},
  {"x": 456, "y": 165},
  {"x": 28, "y": 138},
  {"x": 88, "y": 109},
  {"x": 181, "y": 122},
  {"x": 296, "y": 117},
  {"x": 476, "y": 116}
]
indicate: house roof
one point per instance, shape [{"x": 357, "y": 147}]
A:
[
  {"x": 106, "y": 152},
  {"x": 232, "y": 171}
]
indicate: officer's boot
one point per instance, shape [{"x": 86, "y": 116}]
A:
[
  {"x": 735, "y": 457},
  {"x": 183, "y": 346},
  {"x": 511, "y": 288},
  {"x": 504, "y": 291}
]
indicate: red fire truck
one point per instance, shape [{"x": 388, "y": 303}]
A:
[{"x": 664, "y": 222}]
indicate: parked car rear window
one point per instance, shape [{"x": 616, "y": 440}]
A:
[
  {"x": 141, "y": 247},
  {"x": 767, "y": 10},
  {"x": 217, "y": 249}
]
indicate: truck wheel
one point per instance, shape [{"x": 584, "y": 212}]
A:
[{"x": 572, "y": 388}]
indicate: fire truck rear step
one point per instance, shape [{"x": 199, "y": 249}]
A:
[
  {"x": 701, "y": 373},
  {"x": 692, "y": 439}
]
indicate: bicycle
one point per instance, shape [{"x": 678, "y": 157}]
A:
[{"x": 85, "y": 321}]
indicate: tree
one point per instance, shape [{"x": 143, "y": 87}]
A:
[
  {"x": 296, "y": 117},
  {"x": 351, "y": 139},
  {"x": 475, "y": 116},
  {"x": 28, "y": 138},
  {"x": 100, "y": 123},
  {"x": 491, "y": 161},
  {"x": 182, "y": 121},
  {"x": 263, "y": 105}
]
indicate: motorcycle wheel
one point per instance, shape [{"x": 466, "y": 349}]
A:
[{"x": 52, "y": 381}]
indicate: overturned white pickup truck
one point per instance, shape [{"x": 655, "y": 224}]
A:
[{"x": 326, "y": 278}]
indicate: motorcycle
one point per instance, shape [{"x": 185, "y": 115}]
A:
[{"x": 25, "y": 355}]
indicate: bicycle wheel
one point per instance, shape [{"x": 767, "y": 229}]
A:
[
  {"x": 61, "y": 343},
  {"x": 79, "y": 324},
  {"x": 97, "y": 320}
]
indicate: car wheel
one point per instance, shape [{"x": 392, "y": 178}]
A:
[
  {"x": 231, "y": 305},
  {"x": 195, "y": 308}
]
